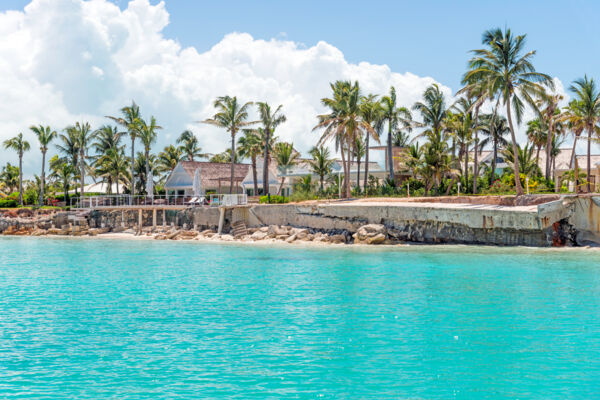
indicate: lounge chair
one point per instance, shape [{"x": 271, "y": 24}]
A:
[{"x": 192, "y": 201}]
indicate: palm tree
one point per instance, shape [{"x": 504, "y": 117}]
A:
[
  {"x": 527, "y": 164},
  {"x": 270, "y": 121},
  {"x": 83, "y": 134},
  {"x": 251, "y": 146},
  {"x": 494, "y": 127},
  {"x": 189, "y": 145},
  {"x": 68, "y": 146},
  {"x": 9, "y": 176},
  {"x": 537, "y": 132},
  {"x": 587, "y": 109},
  {"x": 371, "y": 112},
  {"x": 45, "y": 135},
  {"x": 20, "y": 146},
  {"x": 63, "y": 171},
  {"x": 231, "y": 116},
  {"x": 358, "y": 151},
  {"x": 169, "y": 158},
  {"x": 413, "y": 158},
  {"x": 285, "y": 157},
  {"x": 147, "y": 135},
  {"x": 463, "y": 127},
  {"x": 510, "y": 75},
  {"x": 396, "y": 117},
  {"x": 321, "y": 164},
  {"x": 344, "y": 123},
  {"x": 548, "y": 109},
  {"x": 111, "y": 167},
  {"x": 131, "y": 121}
]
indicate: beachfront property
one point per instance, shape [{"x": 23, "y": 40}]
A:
[{"x": 214, "y": 177}]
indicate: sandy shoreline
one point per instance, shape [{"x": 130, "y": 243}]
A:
[{"x": 311, "y": 244}]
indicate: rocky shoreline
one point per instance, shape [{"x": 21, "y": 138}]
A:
[{"x": 371, "y": 234}]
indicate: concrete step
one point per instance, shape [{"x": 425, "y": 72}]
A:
[{"x": 239, "y": 229}]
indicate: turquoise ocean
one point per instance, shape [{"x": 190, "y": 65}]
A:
[{"x": 113, "y": 319}]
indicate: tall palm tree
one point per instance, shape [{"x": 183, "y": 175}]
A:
[
  {"x": 286, "y": 157},
  {"x": 69, "y": 148},
  {"x": 111, "y": 167},
  {"x": 189, "y": 145},
  {"x": 20, "y": 146},
  {"x": 432, "y": 108},
  {"x": 270, "y": 120},
  {"x": 107, "y": 137},
  {"x": 537, "y": 132},
  {"x": 344, "y": 123},
  {"x": 548, "y": 109},
  {"x": 45, "y": 135},
  {"x": 396, "y": 118},
  {"x": 572, "y": 116},
  {"x": 250, "y": 145},
  {"x": 372, "y": 113},
  {"x": 511, "y": 77},
  {"x": 587, "y": 108},
  {"x": 358, "y": 151},
  {"x": 131, "y": 121},
  {"x": 494, "y": 128},
  {"x": 232, "y": 117},
  {"x": 83, "y": 134},
  {"x": 9, "y": 176},
  {"x": 321, "y": 163},
  {"x": 527, "y": 164},
  {"x": 148, "y": 134}
]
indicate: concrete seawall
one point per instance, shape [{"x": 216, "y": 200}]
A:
[
  {"x": 570, "y": 220},
  {"x": 564, "y": 220}
]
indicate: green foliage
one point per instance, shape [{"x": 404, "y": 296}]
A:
[
  {"x": 275, "y": 199},
  {"x": 8, "y": 203}
]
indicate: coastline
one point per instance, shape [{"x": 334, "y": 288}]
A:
[{"x": 314, "y": 245}]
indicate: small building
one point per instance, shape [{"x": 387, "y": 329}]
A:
[
  {"x": 401, "y": 170},
  {"x": 248, "y": 181},
  {"x": 214, "y": 177}
]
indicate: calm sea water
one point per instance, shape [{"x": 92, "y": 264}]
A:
[{"x": 97, "y": 319}]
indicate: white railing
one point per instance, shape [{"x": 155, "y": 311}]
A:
[{"x": 125, "y": 200}]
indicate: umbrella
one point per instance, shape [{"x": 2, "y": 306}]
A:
[{"x": 197, "y": 186}]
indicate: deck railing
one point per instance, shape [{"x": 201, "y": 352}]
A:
[{"x": 125, "y": 200}]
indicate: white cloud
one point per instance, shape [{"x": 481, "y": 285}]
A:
[{"x": 68, "y": 60}]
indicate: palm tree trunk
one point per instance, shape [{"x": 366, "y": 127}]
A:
[
  {"x": 475, "y": 156},
  {"x": 518, "y": 187},
  {"x": 266, "y": 164},
  {"x": 232, "y": 162},
  {"x": 549, "y": 148},
  {"x": 82, "y": 173},
  {"x": 21, "y": 178},
  {"x": 493, "y": 174},
  {"x": 322, "y": 178},
  {"x": 349, "y": 179},
  {"x": 345, "y": 167},
  {"x": 281, "y": 186},
  {"x": 132, "y": 171},
  {"x": 390, "y": 160},
  {"x": 366, "y": 162},
  {"x": 42, "y": 179},
  {"x": 358, "y": 172},
  {"x": 589, "y": 154},
  {"x": 254, "y": 175},
  {"x": 467, "y": 167},
  {"x": 537, "y": 156}
]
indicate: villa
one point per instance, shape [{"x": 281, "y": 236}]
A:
[{"x": 214, "y": 177}]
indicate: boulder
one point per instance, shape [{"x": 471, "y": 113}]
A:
[
  {"x": 259, "y": 235},
  {"x": 370, "y": 234},
  {"x": 339, "y": 238},
  {"x": 264, "y": 229},
  {"x": 227, "y": 238},
  {"x": 290, "y": 239},
  {"x": 276, "y": 230}
]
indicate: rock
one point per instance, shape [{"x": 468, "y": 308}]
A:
[
  {"x": 259, "y": 235},
  {"x": 187, "y": 235},
  {"x": 290, "y": 239},
  {"x": 339, "y": 238},
  {"x": 38, "y": 232},
  {"x": 370, "y": 234},
  {"x": 264, "y": 229},
  {"x": 206, "y": 232},
  {"x": 275, "y": 230},
  {"x": 160, "y": 237},
  {"x": 227, "y": 238},
  {"x": 172, "y": 235},
  {"x": 302, "y": 234},
  {"x": 282, "y": 237},
  {"x": 297, "y": 231}
]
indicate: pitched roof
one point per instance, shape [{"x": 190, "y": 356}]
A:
[
  {"x": 211, "y": 173},
  {"x": 563, "y": 159}
]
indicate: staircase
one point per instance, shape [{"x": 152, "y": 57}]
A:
[{"x": 239, "y": 229}]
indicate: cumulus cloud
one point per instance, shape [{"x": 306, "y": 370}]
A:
[{"x": 67, "y": 60}]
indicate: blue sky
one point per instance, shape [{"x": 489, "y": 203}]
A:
[
  {"x": 428, "y": 38},
  {"x": 73, "y": 60}
]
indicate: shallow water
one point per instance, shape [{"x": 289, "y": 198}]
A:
[{"x": 90, "y": 319}]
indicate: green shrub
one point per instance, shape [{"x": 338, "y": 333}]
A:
[
  {"x": 8, "y": 203},
  {"x": 275, "y": 199},
  {"x": 301, "y": 195}
]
